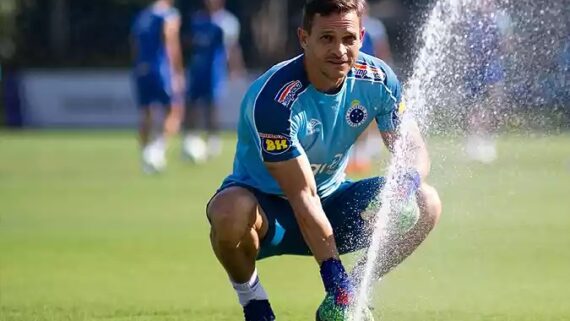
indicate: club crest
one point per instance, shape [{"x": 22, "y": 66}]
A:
[{"x": 356, "y": 114}]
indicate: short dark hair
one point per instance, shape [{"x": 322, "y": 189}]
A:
[{"x": 327, "y": 7}]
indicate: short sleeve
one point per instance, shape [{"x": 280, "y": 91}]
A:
[
  {"x": 277, "y": 134},
  {"x": 388, "y": 117},
  {"x": 171, "y": 14},
  {"x": 275, "y": 129}
]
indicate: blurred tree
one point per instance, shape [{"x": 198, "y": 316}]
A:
[
  {"x": 59, "y": 27},
  {"x": 8, "y": 9},
  {"x": 87, "y": 33}
]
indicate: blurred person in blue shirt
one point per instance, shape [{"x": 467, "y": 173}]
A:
[
  {"x": 158, "y": 78},
  {"x": 486, "y": 31},
  {"x": 211, "y": 37}
]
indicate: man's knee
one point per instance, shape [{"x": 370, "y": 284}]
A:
[
  {"x": 232, "y": 214},
  {"x": 430, "y": 205}
]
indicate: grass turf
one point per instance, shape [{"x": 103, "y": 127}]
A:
[{"x": 85, "y": 236}]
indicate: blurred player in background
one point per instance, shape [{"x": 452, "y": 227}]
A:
[
  {"x": 212, "y": 38},
  {"x": 159, "y": 79},
  {"x": 487, "y": 28},
  {"x": 288, "y": 193},
  {"x": 374, "y": 43}
]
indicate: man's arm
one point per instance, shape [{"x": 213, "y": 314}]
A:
[
  {"x": 174, "y": 51},
  {"x": 235, "y": 60},
  {"x": 421, "y": 161},
  {"x": 298, "y": 184},
  {"x": 233, "y": 48}
]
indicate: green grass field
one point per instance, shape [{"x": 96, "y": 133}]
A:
[{"x": 85, "y": 236}]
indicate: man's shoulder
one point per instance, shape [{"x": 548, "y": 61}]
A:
[
  {"x": 282, "y": 83},
  {"x": 368, "y": 68},
  {"x": 226, "y": 17},
  {"x": 371, "y": 68},
  {"x": 165, "y": 13}
]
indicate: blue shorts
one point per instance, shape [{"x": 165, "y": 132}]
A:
[
  {"x": 205, "y": 90},
  {"x": 152, "y": 89},
  {"x": 346, "y": 209}
]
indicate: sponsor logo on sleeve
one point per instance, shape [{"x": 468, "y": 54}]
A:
[
  {"x": 362, "y": 70},
  {"x": 275, "y": 144},
  {"x": 288, "y": 93}
]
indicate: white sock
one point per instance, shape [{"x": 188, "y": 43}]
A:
[
  {"x": 157, "y": 149},
  {"x": 159, "y": 143},
  {"x": 250, "y": 290}
]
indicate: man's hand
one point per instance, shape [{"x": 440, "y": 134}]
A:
[
  {"x": 340, "y": 293},
  {"x": 336, "y": 282},
  {"x": 408, "y": 184}
]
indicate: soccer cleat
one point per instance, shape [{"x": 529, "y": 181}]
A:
[
  {"x": 337, "y": 309},
  {"x": 153, "y": 160},
  {"x": 194, "y": 149},
  {"x": 258, "y": 310}
]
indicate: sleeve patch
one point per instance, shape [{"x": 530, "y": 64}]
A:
[
  {"x": 362, "y": 70},
  {"x": 287, "y": 94},
  {"x": 275, "y": 144}
]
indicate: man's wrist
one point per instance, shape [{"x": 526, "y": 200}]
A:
[
  {"x": 334, "y": 276},
  {"x": 414, "y": 177},
  {"x": 409, "y": 181}
]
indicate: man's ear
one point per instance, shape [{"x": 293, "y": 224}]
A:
[
  {"x": 362, "y": 31},
  {"x": 303, "y": 36}
]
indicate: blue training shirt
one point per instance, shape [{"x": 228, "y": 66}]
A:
[
  {"x": 208, "y": 55},
  {"x": 148, "y": 35},
  {"x": 484, "y": 42},
  {"x": 367, "y": 44},
  {"x": 283, "y": 116}
]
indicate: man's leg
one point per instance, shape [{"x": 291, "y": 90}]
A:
[
  {"x": 193, "y": 146},
  {"x": 212, "y": 127},
  {"x": 237, "y": 225},
  {"x": 145, "y": 125},
  {"x": 152, "y": 153},
  {"x": 402, "y": 246},
  {"x": 173, "y": 120},
  {"x": 348, "y": 210}
]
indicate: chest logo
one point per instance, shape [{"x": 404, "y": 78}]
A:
[
  {"x": 314, "y": 128},
  {"x": 356, "y": 114}
]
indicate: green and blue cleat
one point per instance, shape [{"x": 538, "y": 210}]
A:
[{"x": 338, "y": 309}]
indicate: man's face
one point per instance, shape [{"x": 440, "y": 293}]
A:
[
  {"x": 333, "y": 43},
  {"x": 213, "y": 5}
]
